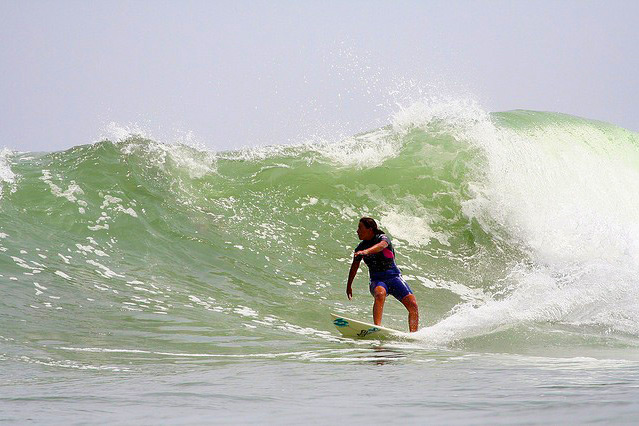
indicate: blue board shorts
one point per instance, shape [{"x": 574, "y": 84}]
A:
[{"x": 392, "y": 282}]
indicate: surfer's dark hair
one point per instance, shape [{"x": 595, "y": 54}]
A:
[{"x": 370, "y": 223}]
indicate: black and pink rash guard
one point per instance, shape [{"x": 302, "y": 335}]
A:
[{"x": 382, "y": 263}]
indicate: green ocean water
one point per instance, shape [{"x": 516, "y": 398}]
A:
[{"x": 153, "y": 282}]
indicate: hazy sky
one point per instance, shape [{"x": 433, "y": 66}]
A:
[{"x": 238, "y": 73}]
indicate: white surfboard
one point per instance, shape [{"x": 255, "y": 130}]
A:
[{"x": 362, "y": 330}]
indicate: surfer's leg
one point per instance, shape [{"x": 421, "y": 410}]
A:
[
  {"x": 379, "y": 293},
  {"x": 413, "y": 313},
  {"x": 402, "y": 292}
]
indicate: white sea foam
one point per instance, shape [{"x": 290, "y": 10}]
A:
[
  {"x": 115, "y": 204},
  {"x": 63, "y": 275},
  {"x": 104, "y": 270},
  {"x": 245, "y": 311},
  {"x": 568, "y": 197},
  {"x": 73, "y": 189},
  {"x": 452, "y": 115},
  {"x": 181, "y": 148},
  {"x": 412, "y": 229},
  {"x": 6, "y": 174},
  {"x": 367, "y": 150}
]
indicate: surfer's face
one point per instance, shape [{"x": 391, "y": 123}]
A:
[{"x": 364, "y": 233}]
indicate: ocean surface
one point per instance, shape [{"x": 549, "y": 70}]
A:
[{"x": 148, "y": 282}]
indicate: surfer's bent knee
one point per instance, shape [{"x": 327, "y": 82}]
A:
[{"x": 379, "y": 292}]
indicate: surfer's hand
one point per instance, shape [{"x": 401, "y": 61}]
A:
[
  {"x": 349, "y": 292},
  {"x": 360, "y": 253}
]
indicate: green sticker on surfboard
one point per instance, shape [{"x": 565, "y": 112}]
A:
[{"x": 355, "y": 329}]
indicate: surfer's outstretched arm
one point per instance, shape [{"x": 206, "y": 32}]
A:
[{"x": 351, "y": 276}]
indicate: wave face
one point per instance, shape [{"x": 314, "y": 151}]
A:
[{"x": 511, "y": 228}]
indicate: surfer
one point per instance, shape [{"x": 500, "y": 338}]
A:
[{"x": 385, "y": 277}]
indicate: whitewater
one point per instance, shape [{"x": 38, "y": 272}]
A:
[{"x": 145, "y": 281}]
